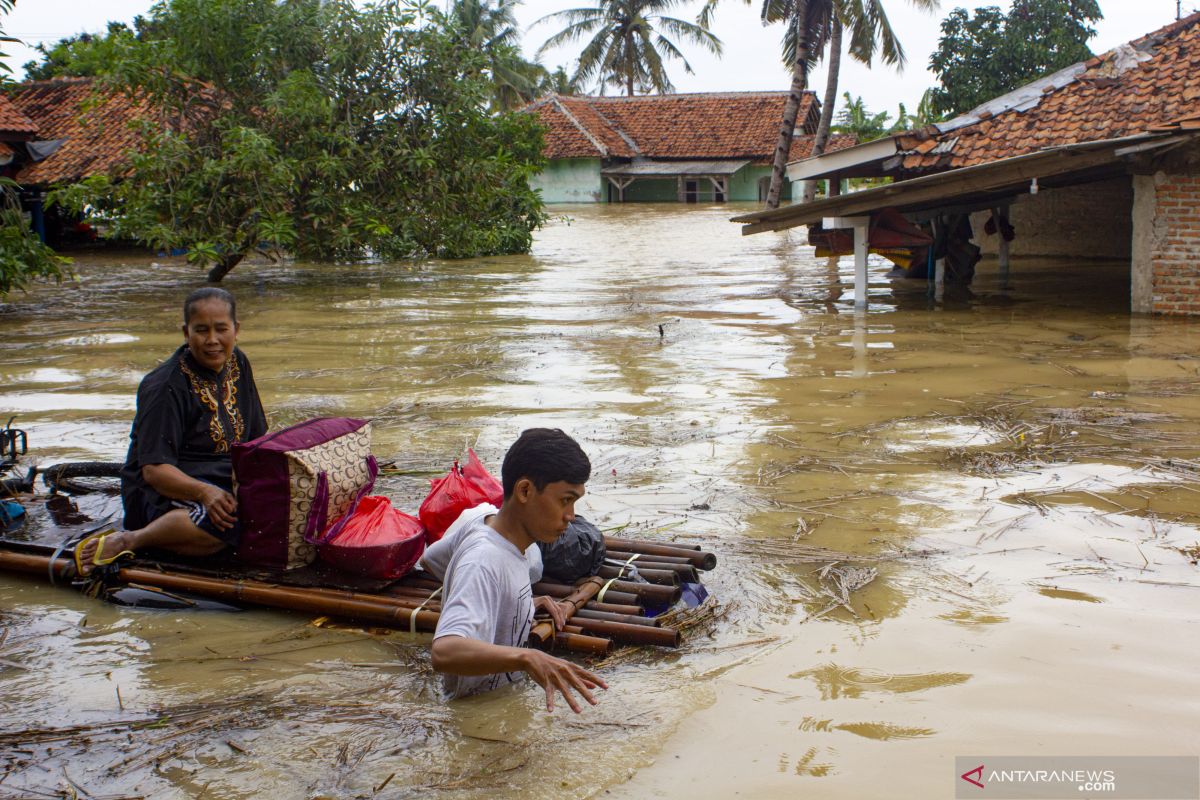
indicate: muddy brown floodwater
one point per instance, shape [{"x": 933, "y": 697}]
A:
[{"x": 944, "y": 530}]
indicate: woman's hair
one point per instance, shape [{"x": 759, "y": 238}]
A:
[
  {"x": 208, "y": 293},
  {"x": 544, "y": 456}
]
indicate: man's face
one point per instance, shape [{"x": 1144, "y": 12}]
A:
[{"x": 548, "y": 512}]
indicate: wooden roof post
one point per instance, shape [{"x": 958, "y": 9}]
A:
[{"x": 860, "y": 226}]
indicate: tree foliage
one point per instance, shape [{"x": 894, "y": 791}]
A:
[
  {"x": 316, "y": 128},
  {"x": 84, "y": 54},
  {"x": 23, "y": 256},
  {"x": 628, "y": 46},
  {"x": 986, "y": 55},
  {"x": 854, "y": 118},
  {"x": 491, "y": 31}
]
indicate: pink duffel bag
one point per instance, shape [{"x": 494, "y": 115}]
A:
[{"x": 294, "y": 485}]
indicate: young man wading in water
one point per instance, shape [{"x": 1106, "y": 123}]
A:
[{"x": 487, "y": 611}]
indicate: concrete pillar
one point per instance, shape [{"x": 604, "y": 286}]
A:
[
  {"x": 1145, "y": 237},
  {"x": 861, "y": 226}
]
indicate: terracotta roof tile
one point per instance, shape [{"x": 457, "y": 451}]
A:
[
  {"x": 693, "y": 126},
  {"x": 5, "y": 150},
  {"x": 96, "y": 128},
  {"x": 1106, "y": 101},
  {"x": 12, "y": 121}
]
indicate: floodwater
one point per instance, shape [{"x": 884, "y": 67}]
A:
[{"x": 956, "y": 528}]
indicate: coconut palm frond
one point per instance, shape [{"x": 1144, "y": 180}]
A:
[
  {"x": 629, "y": 41},
  {"x": 690, "y": 31}
]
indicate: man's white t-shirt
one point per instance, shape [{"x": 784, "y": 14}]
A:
[
  {"x": 437, "y": 558},
  {"x": 487, "y": 596}
]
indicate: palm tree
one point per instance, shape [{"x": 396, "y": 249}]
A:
[
  {"x": 834, "y": 67},
  {"x": 810, "y": 26},
  {"x": 492, "y": 31},
  {"x": 870, "y": 32},
  {"x": 863, "y": 124},
  {"x": 629, "y": 43}
]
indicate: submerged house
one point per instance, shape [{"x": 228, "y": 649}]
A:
[
  {"x": 1101, "y": 159},
  {"x": 704, "y": 147},
  {"x": 57, "y": 132}
]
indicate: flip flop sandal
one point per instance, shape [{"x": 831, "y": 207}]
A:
[{"x": 96, "y": 561}]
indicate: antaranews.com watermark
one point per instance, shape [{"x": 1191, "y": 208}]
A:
[{"x": 1052, "y": 777}]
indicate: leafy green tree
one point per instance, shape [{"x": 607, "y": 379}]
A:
[
  {"x": 83, "y": 55},
  {"x": 23, "y": 256},
  {"x": 629, "y": 43},
  {"x": 854, "y": 118},
  {"x": 983, "y": 56},
  {"x": 319, "y": 129}
]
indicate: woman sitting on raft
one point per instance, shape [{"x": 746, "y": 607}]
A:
[{"x": 177, "y": 481}]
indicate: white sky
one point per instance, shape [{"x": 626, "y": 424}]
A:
[{"x": 750, "y": 62}]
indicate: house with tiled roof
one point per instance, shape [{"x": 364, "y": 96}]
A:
[
  {"x": 60, "y": 131},
  {"x": 1101, "y": 159},
  {"x": 702, "y": 147}
]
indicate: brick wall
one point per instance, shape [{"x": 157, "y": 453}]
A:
[
  {"x": 1175, "y": 248},
  {"x": 1091, "y": 220}
]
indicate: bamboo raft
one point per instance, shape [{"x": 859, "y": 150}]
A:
[{"x": 604, "y": 610}]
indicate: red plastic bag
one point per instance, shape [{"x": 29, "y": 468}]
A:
[
  {"x": 478, "y": 475},
  {"x": 376, "y": 541},
  {"x": 459, "y": 490}
]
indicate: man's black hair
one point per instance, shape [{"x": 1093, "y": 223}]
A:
[
  {"x": 208, "y": 293},
  {"x": 544, "y": 456}
]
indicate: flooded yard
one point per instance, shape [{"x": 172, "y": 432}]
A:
[{"x": 944, "y": 529}]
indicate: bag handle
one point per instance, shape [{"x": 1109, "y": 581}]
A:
[{"x": 318, "y": 515}]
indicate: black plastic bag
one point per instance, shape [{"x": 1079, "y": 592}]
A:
[{"x": 576, "y": 554}]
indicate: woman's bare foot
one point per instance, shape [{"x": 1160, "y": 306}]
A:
[{"x": 113, "y": 543}]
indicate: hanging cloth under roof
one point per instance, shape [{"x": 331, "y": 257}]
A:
[{"x": 40, "y": 151}]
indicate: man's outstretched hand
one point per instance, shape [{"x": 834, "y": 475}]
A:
[{"x": 558, "y": 675}]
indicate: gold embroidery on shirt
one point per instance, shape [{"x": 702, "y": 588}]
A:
[
  {"x": 229, "y": 393},
  {"x": 207, "y": 392}
]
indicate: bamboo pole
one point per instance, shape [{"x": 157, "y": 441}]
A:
[
  {"x": 579, "y": 642},
  {"x": 559, "y": 590},
  {"x": 636, "y": 543},
  {"x": 615, "y": 608},
  {"x": 663, "y": 577},
  {"x": 628, "y": 619},
  {"x": 695, "y": 557},
  {"x": 684, "y": 569},
  {"x": 628, "y": 634},
  {"x": 584, "y": 592},
  {"x": 332, "y": 602},
  {"x": 624, "y": 555},
  {"x": 644, "y": 591}
]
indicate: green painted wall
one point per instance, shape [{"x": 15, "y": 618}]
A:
[
  {"x": 571, "y": 180},
  {"x": 577, "y": 180}
]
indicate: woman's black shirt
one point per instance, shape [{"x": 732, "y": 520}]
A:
[{"x": 188, "y": 416}]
